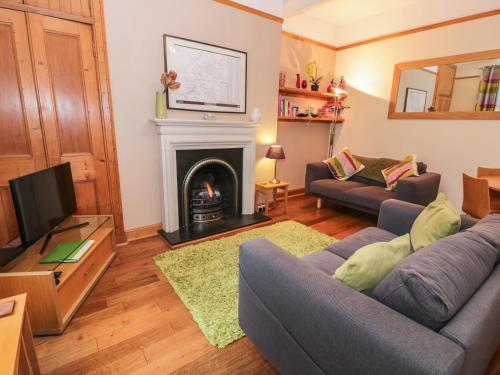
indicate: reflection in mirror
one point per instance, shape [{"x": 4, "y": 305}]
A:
[{"x": 470, "y": 86}]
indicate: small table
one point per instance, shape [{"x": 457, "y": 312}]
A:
[
  {"x": 18, "y": 354},
  {"x": 265, "y": 187},
  {"x": 494, "y": 185}
]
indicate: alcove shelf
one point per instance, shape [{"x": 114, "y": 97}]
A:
[
  {"x": 305, "y": 93},
  {"x": 308, "y": 119}
]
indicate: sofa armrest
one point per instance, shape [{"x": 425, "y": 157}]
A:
[
  {"x": 398, "y": 216},
  {"x": 421, "y": 189},
  {"x": 316, "y": 171},
  {"x": 341, "y": 330}
]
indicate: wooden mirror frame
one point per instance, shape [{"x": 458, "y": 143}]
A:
[{"x": 398, "y": 68}]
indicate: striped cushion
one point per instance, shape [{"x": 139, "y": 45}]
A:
[
  {"x": 405, "y": 168},
  {"x": 344, "y": 165}
]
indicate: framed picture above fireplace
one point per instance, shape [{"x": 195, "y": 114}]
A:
[{"x": 213, "y": 78}]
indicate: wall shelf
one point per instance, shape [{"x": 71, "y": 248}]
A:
[
  {"x": 305, "y": 93},
  {"x": 309, "y": 119}
]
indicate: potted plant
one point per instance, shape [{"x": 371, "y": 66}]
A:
[{"x": 312, "y": 72}]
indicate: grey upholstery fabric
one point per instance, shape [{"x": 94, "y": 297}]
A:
[
  {"x": 489, "y": 229},
  {"x": 420, "y": 190},
  {"x": 324, "y": 261},
  {"x": 316, "y": 171},
  {"x": 332, "y": 188},
  {"x": 349, "y": 245},
  {"x": 327, "y": 327},
  {"x": 431, "y": 285},
  {"x": 476, "y": 327},
  {"x": 368, "y": 196},
  {"x": 398, "y": 216}
]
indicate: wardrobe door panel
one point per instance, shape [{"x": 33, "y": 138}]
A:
[
  {"x": 21, "y": 141},
  {"x": 69, "y": 98}
]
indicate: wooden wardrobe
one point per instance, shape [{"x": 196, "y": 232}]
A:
[{"x": 55, "y": 103}]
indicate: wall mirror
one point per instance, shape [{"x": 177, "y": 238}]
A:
[{"x": 454, "y": 87}]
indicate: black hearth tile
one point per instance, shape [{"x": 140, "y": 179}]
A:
[{"x": 201, "y": 230}]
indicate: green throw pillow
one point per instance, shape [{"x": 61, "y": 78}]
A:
[
  {"x": 369, "y": 265},
  {"x": 438, "y": 220}
]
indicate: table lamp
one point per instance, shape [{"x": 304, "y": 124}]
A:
[{"x": 276, "y": 153}]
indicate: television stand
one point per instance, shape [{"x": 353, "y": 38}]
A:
[
  {"x": 57, "y": 230},
  {"x": 52, "y": 305}
]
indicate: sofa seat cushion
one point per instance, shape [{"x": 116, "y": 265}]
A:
[
  {"x": 332, "y": 188},
  {"x": 370, "y": 197},
  {"x": 348, "y": 246},
  {"x": 324, "y": 261},
  {"x": 431, "y": 285}
]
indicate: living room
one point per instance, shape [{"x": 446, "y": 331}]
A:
[{"x": 255, "y": 187}]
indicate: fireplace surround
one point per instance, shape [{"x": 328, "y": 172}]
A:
[{"x": 197, "y": 154}]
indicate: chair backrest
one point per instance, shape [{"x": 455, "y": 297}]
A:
[
  {"x": 476, "y": 197},
  {"x": 487, "y": 172}
]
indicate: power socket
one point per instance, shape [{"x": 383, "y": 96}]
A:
[{"x": 261, "y": 208}]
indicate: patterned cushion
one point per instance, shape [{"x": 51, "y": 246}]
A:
[
  {"x": 344, "y": 165},
  {"x": 405, "y": 168}
]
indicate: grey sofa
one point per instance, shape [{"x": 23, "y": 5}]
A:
[
  {"x": 366, "y": 194},
  {"x": 305, "y": 322}
]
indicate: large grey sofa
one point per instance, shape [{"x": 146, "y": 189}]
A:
[
  {"x": 306, "y": 322},
  {"x": 367, "y": 194}
]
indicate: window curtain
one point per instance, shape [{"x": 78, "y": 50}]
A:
[{"x": 488, "y": 98}]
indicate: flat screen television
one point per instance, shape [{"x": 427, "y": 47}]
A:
[{"x": 42, "y": 201}]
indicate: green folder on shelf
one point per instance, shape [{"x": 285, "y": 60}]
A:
[{"x": 68, "y": 252}]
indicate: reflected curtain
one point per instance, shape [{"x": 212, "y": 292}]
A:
[{"x": 488, "y": 98}]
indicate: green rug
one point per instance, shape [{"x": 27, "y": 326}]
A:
[{"x": 205, "y": 275}]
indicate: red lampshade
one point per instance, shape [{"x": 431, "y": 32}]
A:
[{"x": 275, "y": 152}]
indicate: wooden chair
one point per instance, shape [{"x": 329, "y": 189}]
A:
[
  {"x": 487, "y": 172},
  {"x": 476, "y": 197}
]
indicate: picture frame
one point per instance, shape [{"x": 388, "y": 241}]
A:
[
  {"x": 415, "y": 100},
  {"x": 213, "y": 78}
]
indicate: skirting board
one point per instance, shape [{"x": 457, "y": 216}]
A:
[{"x": 135, "y": 234}]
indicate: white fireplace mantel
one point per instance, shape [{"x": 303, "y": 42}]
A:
[{"x": 183, "y": 134}]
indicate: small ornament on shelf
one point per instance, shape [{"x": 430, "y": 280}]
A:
[
  {"x": 331, "y": 86},
  {"x": 297, "y": 82},
  {"x": 304, "y": 84}
]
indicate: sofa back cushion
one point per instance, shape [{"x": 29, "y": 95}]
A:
[
  {"x": 373, "y": 170},
  {"x": 489, "y": 229},
  {"x": 430, "y": 286}
]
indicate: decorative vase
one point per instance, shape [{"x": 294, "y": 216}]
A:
[
  {"x": 297, "y": 82},
  {"x": 304, "y": 84},
  {"x": 314, "y": 87},
  {"x": 161, "y": 104},
  {"x": 282, "y": 80},
  {"x": 256, "y": 115},
  {"x": 330, "y": 87}
]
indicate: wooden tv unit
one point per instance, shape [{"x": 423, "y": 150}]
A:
[{"x": 52, "y": 306}]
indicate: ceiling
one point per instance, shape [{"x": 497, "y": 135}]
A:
[{"x": 341, "y": 22}]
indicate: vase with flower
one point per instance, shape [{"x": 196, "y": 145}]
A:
[{"x": 312, "y": 72}]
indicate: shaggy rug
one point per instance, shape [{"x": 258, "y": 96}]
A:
[{"x": 205, "y": 275}]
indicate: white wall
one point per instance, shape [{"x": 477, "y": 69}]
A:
[
  {"x": 415, "y": 79},
  {"x": 450, "y": 147},
  {"x": 274, "y": 7},
  {"x": 135, "y": 45}
]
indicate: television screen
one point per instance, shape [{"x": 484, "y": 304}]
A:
[{"x": 42, "y": 201}]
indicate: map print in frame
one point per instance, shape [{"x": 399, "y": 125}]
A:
[{"x": 213, "y": 79}]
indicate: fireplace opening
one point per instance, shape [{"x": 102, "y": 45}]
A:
[{"x": 210, "y": 192}]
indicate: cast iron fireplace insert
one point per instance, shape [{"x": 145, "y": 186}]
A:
[{"x": 209, "y": 194}]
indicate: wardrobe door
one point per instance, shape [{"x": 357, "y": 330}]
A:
[
  {"x": 21, "y": 141},
  {"x": 69, "y": 101}
]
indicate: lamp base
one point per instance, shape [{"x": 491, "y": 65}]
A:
[{"x": 274, "y": 181}]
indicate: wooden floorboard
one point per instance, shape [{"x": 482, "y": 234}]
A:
[{"x": 134, "y": 323}]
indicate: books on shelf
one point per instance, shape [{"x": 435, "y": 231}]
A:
[{"x": 68, "y": 252}]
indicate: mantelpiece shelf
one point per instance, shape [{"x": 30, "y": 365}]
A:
[
  {"x": 305, "y": 93},
  {"x": 308, "y": 119}
]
